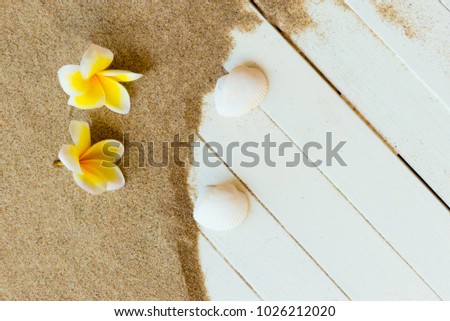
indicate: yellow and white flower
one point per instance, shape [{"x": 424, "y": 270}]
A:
[
  {"x": 93, "y": 167},
  {"x": 90, "y": 86}
]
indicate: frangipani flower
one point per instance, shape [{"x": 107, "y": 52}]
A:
[
  {"x": 93, "y": 167},
  {"x": 90, "y": 86}
]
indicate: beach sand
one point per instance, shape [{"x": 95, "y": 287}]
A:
[
  {"x": 139, "y": 243},
  {"x": 291, "y": 16}
]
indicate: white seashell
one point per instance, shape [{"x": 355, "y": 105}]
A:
[
  {"x": 243, "y": 89},
  {"x": 221, "y": 207}
]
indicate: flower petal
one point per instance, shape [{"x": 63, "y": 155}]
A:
[
  {"x": 107, "y": 150},
  {"x": 116, "y": 96},
  {"x": 81, "y": 135},
  {"x": 93, "y": 98},
  {"x": 120, "y": 75},
  {"x": 91, "y": 181},
  {"x": 69, "y": 156},
  {"x": 95, "y": 59},
  {"x": 110, "y": 172},
  {"x": 71, "y": 80}
]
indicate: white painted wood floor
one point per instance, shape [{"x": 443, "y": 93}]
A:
[{"x": 377, "y": 229}]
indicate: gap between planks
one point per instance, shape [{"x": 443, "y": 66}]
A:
[
  {"x": 416, "y": 34},
  {"x": 446, "y": 4},
  {"x": 230, "y": 265}
]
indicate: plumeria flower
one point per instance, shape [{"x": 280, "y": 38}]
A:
[
  {"x": 93, "y": 167},
  {"x": 90, "y": 86}
]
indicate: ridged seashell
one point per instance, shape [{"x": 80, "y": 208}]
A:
[
  {"x": 243, "y": 89},
  {"x": 221, "y": 207}
]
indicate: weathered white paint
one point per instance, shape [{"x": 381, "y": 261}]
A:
[
  {"x": 426, "y": 51},
  {"x": 446, "y": 3}
]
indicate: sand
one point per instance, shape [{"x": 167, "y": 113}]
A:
[
  {"x": 291, "y": 16},
  {"x": 390, "y": 13},
  {"x": 138, "y": 243}
]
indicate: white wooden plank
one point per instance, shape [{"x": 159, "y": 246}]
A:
[
  {"x": 221, "y": 281},
  {"x": 263, "y": 253},
  {"x": 423, "y": 43},
  {"x": 410, "y": 117},
  {"x": 377, "y": 183},
  {"x": 314, "y": 212}
]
